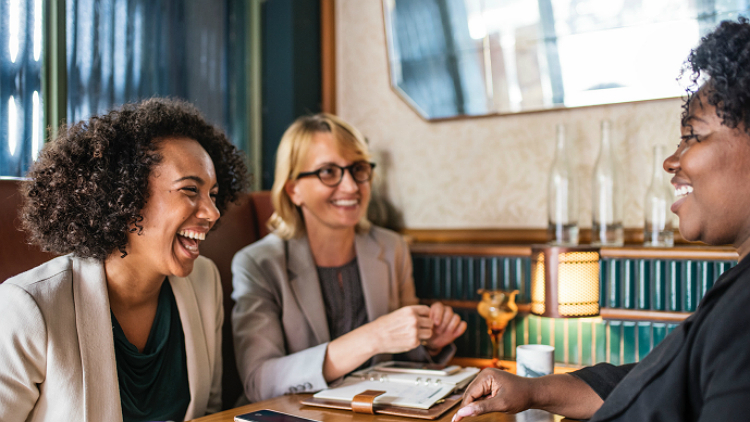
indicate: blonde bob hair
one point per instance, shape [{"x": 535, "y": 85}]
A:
[{"x": 287, "y": 221}]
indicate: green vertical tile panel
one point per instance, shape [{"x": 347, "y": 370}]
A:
[
  {"x": 521, "y": 327},
  {"x": 644, "y": 339},
  {"x": 674, "y": 292},
  {"x": 447, "y": 278},
  {"x": 559, "y": 336},
  {"x": 526, "y": 279},
  {"x": 547, "y": 331},
  {"x": 600, "y": 329},
  {"x": 615, "y": 341},
  {"x": 628, "y": 284},
  {"x": 436, "y": 277},
  {"x": 495, "y": 273},
  {"x": 613, "y": 285},
  {"x": 508, "y": 274},
  {"x": 470, "y": 286},
  {"x": 659, "y": 332},
  {"x": 508, "y": 342},
  {"x": 643, "y": 286},
  {"x": 629, "y": 342},
  {"x": 455, "y": 286},
  {"x": 586, "y": 327},
  {"x": 603, "y": 265},
  {"x": 482, "y": 275},
  {"x": 657, "y": 283},
  {"x": 671, "y": 327},
  {"x": 573, "y": 337},
  {"x": 534, "y": 327},
  {"x": 688, "y": 286}
]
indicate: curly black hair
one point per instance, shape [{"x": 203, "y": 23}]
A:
[
  {"x": 724, "y": 57},
  {"x": 88, "y": 187}
]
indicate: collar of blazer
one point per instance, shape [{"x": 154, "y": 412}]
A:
[
  {"x": 94, "y": 328},
  {"x": 373, "y": 274}
]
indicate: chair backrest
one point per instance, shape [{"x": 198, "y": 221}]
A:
[
  {"x": 242, "y": 224},
  {"x": 16, "y": 256}
]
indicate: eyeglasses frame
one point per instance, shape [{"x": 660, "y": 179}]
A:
[{"x": 349, "y": 168}]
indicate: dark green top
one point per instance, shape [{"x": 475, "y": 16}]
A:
[{"x": 154, "y": 384}]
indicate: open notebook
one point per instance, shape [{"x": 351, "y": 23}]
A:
[{"x": 409, "y": 390}]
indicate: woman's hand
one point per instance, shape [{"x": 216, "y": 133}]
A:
[
  {"x": 494, "y": 390},
  {"x": 447, "y": 326},
  {"x": 402, "y": 330}
]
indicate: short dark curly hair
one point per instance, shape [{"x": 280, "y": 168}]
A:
[
  {"x": 88, "y": 187},
  {"x": 724, "y": 57}
]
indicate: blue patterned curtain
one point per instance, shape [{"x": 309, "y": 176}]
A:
[{"x": 126, "y": 50}]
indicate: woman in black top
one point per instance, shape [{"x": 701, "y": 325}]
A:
[{"x": 701, "y": 371}]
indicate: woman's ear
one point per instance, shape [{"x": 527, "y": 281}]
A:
[{"x": 292, "y": 190}]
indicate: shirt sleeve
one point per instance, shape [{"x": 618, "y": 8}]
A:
[
  {"x": 265, "y": 368},
  {"x": 603, "y": 377},
  {"x": 23, "y": 345}
]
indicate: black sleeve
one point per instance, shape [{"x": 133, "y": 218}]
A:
[{"x": 603, "y": 377}]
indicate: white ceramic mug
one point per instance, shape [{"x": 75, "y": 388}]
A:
[{"x": 535, "y": 360}]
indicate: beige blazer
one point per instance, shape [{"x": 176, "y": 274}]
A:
[
  {"x": 279, "y": 321},
  {"x": 57, "y": 359}
]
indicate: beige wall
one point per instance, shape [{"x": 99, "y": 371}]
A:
[{"x": 485, "y": 172}]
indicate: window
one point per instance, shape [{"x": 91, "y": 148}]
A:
[
  {"x": 118, "y": 51},
  {"x": 21, "y": 122}
]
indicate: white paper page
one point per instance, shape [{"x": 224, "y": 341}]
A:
[{"x": 397, "y": 394}]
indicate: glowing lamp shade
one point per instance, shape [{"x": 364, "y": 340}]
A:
[{"x": 564, "y": 281}]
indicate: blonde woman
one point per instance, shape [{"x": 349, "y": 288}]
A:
[{"x": 327, "y": 292}]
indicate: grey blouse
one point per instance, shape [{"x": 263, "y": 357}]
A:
[{"x": 343, "y": 297}]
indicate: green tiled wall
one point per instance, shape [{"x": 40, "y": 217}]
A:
[{"x": 644, "y": 284}]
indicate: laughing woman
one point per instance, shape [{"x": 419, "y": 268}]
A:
[
  {"x": 701, "y": 370},
  {"x": 127, "y": 326},
  {"x": 326, "y": 292}
]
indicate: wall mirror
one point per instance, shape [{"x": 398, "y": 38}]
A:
[{"x": 452, "y": 58}]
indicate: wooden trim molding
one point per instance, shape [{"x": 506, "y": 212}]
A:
[
  {"x": 521, "y": 236},
  {"x": 517, "y": 243},
  {"x": 328, "y": 55},
  {"x": 605, "y": 313}
]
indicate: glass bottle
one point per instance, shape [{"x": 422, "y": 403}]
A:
[
  {"x": 657, "y": 227},
  {"x": 562, "y": 204},
  {"x": 606, "y": 211}
]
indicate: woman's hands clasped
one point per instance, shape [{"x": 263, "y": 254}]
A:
[{"x": 408, "y": 327}]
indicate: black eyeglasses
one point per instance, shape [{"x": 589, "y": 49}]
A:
[{"x": 331, "y": 174}]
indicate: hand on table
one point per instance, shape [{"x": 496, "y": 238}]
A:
[
  {"x": 447, "y": 326},
  {"x": 494, "y": 390}
]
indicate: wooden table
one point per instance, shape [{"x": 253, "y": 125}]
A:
[{"x": 291, "y": 404}]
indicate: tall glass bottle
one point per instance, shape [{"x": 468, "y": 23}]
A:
[
  {"x": 657, "y": 227},
  {"x": 562, "y": 198},
  {"x": 606, "y": 210}
]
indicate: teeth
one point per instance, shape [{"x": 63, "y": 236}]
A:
[
  {"x": 192, "y": 235},
  {"x": 683, "y": 190},
  {"x": 345, "y": 202}
]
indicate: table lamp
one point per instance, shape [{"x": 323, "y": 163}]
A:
[{"x": 564, "y": 281}]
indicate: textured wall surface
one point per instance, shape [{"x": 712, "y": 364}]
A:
[{"x": 484, "y": 172}]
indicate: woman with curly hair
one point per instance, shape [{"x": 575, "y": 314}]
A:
[
  {"x": 327, "y": 292},
  {"x": 127, "y": 325},
  {"x": 701, "y": 370}
]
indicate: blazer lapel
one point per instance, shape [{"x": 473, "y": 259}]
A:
[
  {"x": 195, "y": 343},
  {"x": 303, "y": 280},
  {"x": 373, "y": 271},
  {"x": 101, "y": 390}
]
